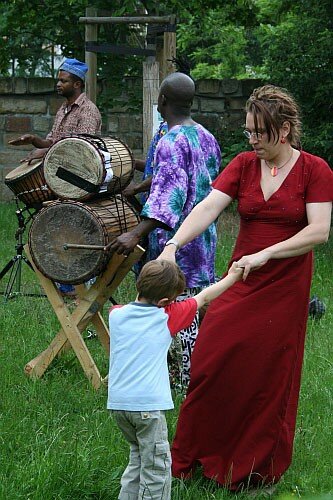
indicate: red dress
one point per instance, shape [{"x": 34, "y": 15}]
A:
[{"x": 238, "y": 419}]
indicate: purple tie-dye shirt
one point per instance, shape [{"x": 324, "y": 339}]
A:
[{"x": 187, "y": 160}]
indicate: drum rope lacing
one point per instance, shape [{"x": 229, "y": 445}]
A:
[
  {"x": 122, "y": 229},
  {"x": 41, "y": 188}
]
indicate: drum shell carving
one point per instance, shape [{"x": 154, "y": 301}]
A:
[
  {"x": 28, "y": 183},
  {"x": 94, "y": 223}
]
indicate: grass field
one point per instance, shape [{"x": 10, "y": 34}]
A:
[{"x": 57, "y": 440}]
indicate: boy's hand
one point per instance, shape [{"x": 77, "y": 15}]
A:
[
  {"x": 235, "y": 271},
  {"x": 253, "y": 261}
]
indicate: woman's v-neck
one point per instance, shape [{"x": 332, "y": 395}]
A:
[{"x": 282, "y": 183}]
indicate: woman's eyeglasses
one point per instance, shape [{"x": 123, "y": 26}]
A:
[{"x": 256, "y": 135}]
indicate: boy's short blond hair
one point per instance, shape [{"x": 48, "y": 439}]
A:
[{"x": 159, "y": 279}]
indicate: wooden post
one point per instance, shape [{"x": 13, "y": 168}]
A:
[
  {"x": 169, "y": 51},
  {"x": 150, "y": 96},
  {"x": 91, "y": 57},
  {"x": 153, "y": 71}
]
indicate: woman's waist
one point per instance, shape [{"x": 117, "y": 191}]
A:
[{"x": 254, "y": 235}]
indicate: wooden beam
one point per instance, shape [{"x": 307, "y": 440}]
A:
[
  {"x": 91, "y": 58},
  {"x": 169, "y": 52},
  {"x": 150, "y": 96},
  {"x": 88, "y": 310},
  {"x": 109, "y": 48},
  {"x": 126, "y": 20}
]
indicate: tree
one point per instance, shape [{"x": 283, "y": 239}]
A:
[
  {"x": 297, "y": 54},
  {"x": 286, "y": 42},
  {"x": 29, "y": 30}
]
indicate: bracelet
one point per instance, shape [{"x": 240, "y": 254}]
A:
[{"x": 173, "y": 242}]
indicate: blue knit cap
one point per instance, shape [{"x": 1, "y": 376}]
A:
[{"x": 75, "y": 67}]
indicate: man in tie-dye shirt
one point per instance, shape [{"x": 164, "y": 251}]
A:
[{"x": 187, "y": 160}]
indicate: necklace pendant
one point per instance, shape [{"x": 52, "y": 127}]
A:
[{"x": 274, "y": 171}]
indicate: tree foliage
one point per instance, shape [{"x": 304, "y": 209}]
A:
[
  {"x": 286, "y": 42},
  {"x": 297, "y": 54}
]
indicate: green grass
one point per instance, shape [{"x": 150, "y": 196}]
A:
[{"x": 57, "y": 440}]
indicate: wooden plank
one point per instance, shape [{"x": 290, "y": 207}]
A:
[
  {"x": 150, "y": 97},
  {"x": 127, "y": 20},
  {"x": 70, "y": 331},
  {"x": 36, "y": 367},
  {"x": 81, "y": 316},
  {"x": 73, "y": 335},
  {"x": 109, "y": 48},
  {"x": 91, "y": 302},
  {"x": 169, "y": 52},
  {"x": 159, "y": 30},
  {"x": 102, "y": 331},
  {"x": 91, "y": 57}
]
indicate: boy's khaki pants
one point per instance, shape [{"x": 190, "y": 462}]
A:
[{"x": 148, "y": 474}]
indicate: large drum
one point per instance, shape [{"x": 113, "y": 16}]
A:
[
  {"x": 72, "y": 222},
  {"x": 79, "y": 168},
  {"x": 28, "y": 183}
]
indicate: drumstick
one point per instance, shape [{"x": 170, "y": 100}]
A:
[{"x": 68, "y": 246}]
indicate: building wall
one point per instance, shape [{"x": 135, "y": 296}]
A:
[{"x": 29, "y": 105}]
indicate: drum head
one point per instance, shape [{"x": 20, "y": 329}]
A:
[
  {"x": 67, "y": 222},
  {"x": 23, "y": 170},
  {"x": 73, "y": 168}
]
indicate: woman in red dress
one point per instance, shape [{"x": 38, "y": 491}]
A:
[{"x": 238, "y": 419}]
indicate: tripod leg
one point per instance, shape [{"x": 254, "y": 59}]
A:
[
  {"x": 15, "y": 276},
  {"x": 15, "y": 264},
  {"x": 27, "y": 262},
  {"x": 7, "y": 267}
]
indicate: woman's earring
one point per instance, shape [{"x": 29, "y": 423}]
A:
[{"x": 283, "y": 140}]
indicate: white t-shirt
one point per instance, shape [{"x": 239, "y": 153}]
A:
[{"x": 140, "y": 336}]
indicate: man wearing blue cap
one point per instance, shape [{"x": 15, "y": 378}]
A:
[{"x": 78, "y": 115}]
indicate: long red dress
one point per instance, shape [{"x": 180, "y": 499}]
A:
[{"x": 238, "y": 419}]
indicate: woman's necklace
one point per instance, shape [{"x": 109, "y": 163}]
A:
[{"x": 275, "y": 169}]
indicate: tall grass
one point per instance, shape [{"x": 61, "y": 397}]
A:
[{"x": 57, "y": 440}]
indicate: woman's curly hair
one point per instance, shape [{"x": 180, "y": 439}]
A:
[{"x": 275, "y": 106}]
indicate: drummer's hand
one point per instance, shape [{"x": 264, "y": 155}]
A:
[
  {"x": 23, "y": 140},
  {"x": 130, "y": 190},
  {"x": 125, "y": 243},
  {"x": 253, "y": 261},
  {"x": 35, "y": 154}
]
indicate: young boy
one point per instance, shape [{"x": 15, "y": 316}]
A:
[{"x": 138, "y": 384}]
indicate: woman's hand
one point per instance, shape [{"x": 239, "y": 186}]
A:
[
  {"x": 253, "y": 261},
  {"x": 169, "y": 253},
  {"x": 235, "y": 271}
]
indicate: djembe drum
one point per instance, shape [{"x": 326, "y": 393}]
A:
[
  {"x": 72, "y": 222},
  {"x": 83, "y": 167},
  {"x": 28, "y": 184}
]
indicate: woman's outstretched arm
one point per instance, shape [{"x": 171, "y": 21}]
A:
[{"x": 204, "y": 214}]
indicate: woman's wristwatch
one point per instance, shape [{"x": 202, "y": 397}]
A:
[{"x": 173, "y": 242}]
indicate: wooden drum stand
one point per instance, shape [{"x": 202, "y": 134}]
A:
[{"x": 87, "y": 311}]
